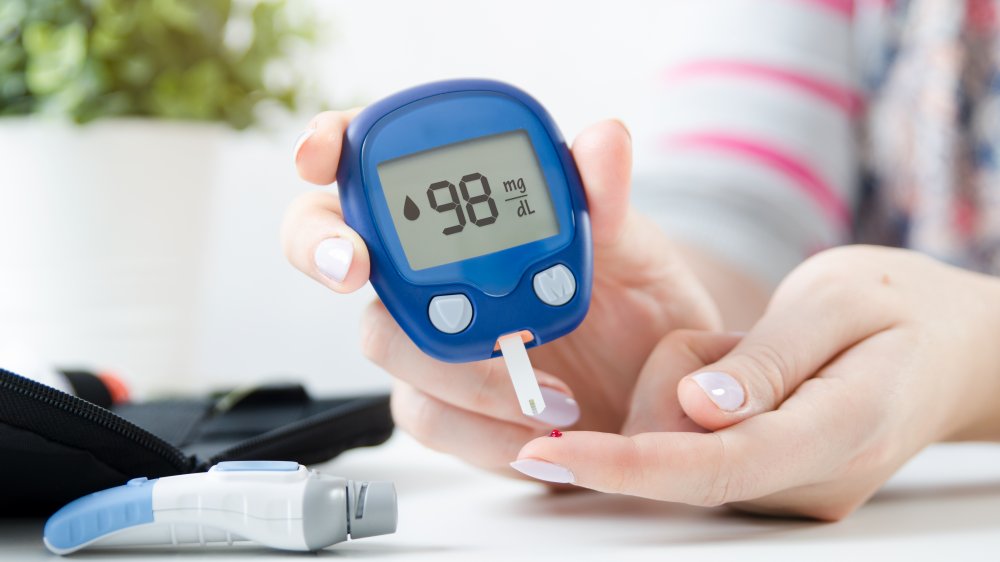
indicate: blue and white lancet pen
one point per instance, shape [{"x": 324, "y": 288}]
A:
[{"x": 278, "y": 504}]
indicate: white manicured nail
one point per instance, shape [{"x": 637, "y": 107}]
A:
[
  {"x": 722, "y": 389},
  {"x": 544, "y": 470},
  {"x": 560, "y": 410},
  {"x": 333, "y": 258},
  {"x": 302, "y": 138}
]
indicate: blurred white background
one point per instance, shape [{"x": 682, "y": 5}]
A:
[{"x": 255, "y": 317}]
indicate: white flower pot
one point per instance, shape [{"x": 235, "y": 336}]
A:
[{"x": 101, "y": 242}]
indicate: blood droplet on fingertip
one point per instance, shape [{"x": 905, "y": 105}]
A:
[{"x": 555, "y": 433}]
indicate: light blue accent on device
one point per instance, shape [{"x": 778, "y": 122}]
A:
[
  {"x": 100, "y": 513},
  {"x": 257, "y": 466}
]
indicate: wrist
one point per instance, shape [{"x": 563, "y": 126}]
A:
[{"x": 982, "y": 383}]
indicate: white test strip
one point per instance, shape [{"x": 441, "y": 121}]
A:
[{"x": 522, "y": 374}]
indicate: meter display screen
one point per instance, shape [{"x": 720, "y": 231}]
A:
[{"x": 468, "y": 199}]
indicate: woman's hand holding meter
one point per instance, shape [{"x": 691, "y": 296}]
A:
[
  {"x": 642, "y": 289},
  {"x": 864, "y": 356}
]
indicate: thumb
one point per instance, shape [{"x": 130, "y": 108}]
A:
[
  {"x": 655, "y": 404},
  {"x": 603, "y": 155},
  {"x": 788, "y": 345}
]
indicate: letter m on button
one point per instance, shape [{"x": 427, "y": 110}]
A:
[{"x": 555, "y": 286}]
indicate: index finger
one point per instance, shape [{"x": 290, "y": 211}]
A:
[
  {"x": 318, "y": 242},
  {"x": 815, "y": 432},
  {"x": 317, "y": 150},
  {"x": 707, "y": 469}
]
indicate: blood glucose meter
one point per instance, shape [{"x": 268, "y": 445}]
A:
[{"x": 474, "y": 215}]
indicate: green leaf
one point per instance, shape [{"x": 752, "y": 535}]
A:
[
  {"x": 12, "y": 13},
  {"x": 55, "y": 55},
  {"x": 88, "y": 59}
]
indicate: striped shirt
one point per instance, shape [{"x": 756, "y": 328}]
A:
[{"x": 790, "y": 126}]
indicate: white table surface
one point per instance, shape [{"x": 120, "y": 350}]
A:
[{"x": 944, "y": 505}]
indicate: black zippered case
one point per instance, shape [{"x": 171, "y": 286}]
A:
[{"x": 56, "y": 447}]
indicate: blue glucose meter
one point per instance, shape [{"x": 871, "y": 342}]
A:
[{"x": 473, "y": 212}]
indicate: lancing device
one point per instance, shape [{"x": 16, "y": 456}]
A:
[
  {"x": 275, "y": 503},
  {"x": 473, "y": 212}
]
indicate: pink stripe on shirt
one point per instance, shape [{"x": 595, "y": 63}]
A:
[
  {"x": 847, "y": 99},
  {"x": 842, "y": 7},
  {"x": 814, "y": 186}
]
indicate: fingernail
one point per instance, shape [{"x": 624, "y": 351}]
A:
[
  {"x": 544, "y": 470},
  {"x": 333, "y": 258},
  {"x": 302, "y": 138},
  {"x": 560, "y": 410},
  {"x": 722, "y": 389},
  {"x": 624, "y": 126}
]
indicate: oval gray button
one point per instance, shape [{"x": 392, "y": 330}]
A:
[
  {"x": 450, "y": 313},
  {"x": 555, "y": 286}
]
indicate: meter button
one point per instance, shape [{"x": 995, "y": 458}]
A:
[
  {"x": 450, "y": 313},
  {"x": 555, "y": 286}
]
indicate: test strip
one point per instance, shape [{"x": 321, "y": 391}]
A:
[{"x": 522, "y": 374}]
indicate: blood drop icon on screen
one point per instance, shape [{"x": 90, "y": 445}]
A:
[{"x": 410, "y": 209}]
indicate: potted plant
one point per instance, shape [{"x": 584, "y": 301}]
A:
[{"x": 111, "y": 115}]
